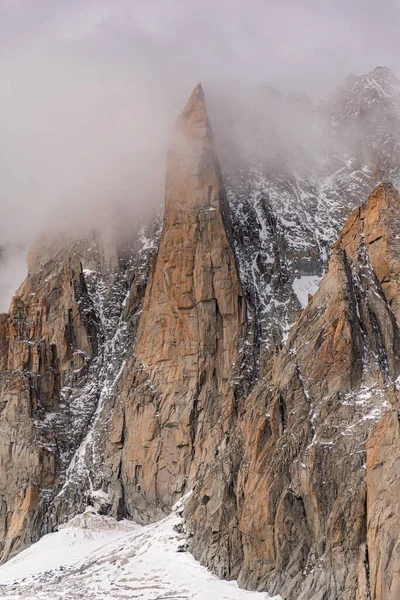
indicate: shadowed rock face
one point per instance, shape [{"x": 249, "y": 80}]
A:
[
  {"x": 62, "y": 348},
  {"x": 290, "y": 195},
  {"x": 48, "y": 339},
  {"x": 304, "y": 483},
  {"x": 178, "y": 397},
  {"x": 383, "y": 509}
]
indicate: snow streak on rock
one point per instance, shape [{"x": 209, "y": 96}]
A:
[
  {"x": 290, "y": 198},
  {"x": 82, "y": 424}
]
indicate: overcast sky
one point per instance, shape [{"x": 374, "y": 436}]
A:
[
  {"x": 304, "y": 44},
  {"x": 89, "y": 89}
]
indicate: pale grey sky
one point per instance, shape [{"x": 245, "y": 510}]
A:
[{"x": 305, "y": 44}]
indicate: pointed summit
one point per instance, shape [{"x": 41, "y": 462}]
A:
[
  {"x": 190, "y": 332},
  {"x": 193, "y": 171},
  {"x": 193, "y": 121},
  {"x": 196, "y": 98}
]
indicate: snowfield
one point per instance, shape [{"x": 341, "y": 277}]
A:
[{"x": 95, "y": 557}]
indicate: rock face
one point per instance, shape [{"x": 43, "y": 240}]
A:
[
  {"x": 178, "y": 396},
  {"x": 293, "y": 173},
  {"x": 48, "y": 339},
  {"x": 304, "y": 483},
  {"x": 62, "y": 348},
  {"x": 383, "y": 515}
]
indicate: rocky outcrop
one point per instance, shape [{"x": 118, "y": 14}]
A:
[
  {"x": 383, "y": 510},
  {"x": 48, "y": 339},
  {"x": 62, "y": 352},
  {"x": 178, "y": 396},
  {"x": 301, "y": 491}
]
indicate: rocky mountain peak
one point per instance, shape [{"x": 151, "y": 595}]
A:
[
  {"x": 178, "y": 396},
  {"x": 196, "y": 101},
  {"x": 384, "y": 75},
  {"x": 193, "y": 172},
  {"x": 375, "y": 95},
  {"x": 193, "y": 123},
  {"x": 324, "y": 415}
]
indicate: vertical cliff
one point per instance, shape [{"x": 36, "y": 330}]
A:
[
  {"x": 178, "y": 395},
  {"x": 383, "y": 509},
  {"x": 316, "y": 518},
  {"x": 63, "y": 344},
  {"x": 48, "y": 339}
]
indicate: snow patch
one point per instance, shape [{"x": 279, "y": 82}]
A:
[
  {"x": 96, "y": 557},
  {"x": 71, "y": 545},
  {"x": 302, "y": 286}
]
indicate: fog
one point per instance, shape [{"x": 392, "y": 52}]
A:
[{"x": 89, "y": 91}]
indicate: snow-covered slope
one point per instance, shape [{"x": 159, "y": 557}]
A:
[{"x": 96, "y": 557}]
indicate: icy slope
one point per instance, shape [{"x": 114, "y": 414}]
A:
[{"x": 95, "y": 557}]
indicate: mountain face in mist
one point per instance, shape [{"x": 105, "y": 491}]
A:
[
  {"x": 296, "y": 179},
  {"x": 178, "y": 359}
]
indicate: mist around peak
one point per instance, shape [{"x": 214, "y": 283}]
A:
[{"x": 90, "y": 90}]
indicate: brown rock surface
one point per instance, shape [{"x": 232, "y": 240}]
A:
[
  {"x": 383, "y": 508},
  {"x": 178, "y": 393},
  {"x": 301, "y": 487},
  {"x": 62, "y": 348},
  {"x": 47, "y": 340}
]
